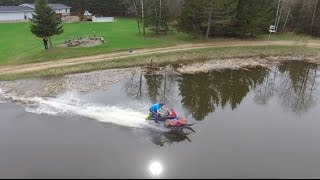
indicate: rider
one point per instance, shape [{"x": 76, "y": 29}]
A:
[{"x": 155, "y": 111}]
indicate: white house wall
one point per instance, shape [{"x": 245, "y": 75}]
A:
[
  {"x": 29, "y": 15},
  {"x": 15, "y": 16},
  {"x": 12, "y": 16},
  {"x": 102, "y": 19},
  {"x": 63, "y": 11}
]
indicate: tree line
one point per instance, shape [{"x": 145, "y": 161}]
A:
[
  {"x": 206, "y": 17},
  {"x": 299, "y": 16},
  {"x": 226, "y": 17}
]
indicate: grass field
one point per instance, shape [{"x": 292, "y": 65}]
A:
[{"x": 19, "y": 46}]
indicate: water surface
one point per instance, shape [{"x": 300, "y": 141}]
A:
[{"x": 254, "y": 123}]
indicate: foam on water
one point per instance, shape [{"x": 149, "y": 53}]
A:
[{"x": 1, "y": 94}]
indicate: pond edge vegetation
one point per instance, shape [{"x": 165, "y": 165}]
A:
[{"x": 187, "y": 57}]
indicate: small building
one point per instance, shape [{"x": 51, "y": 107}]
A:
[
  {"x": 102, "y": 19},
  {"x": 25, "y": 11},
  {"x": 15, "y": 13}
]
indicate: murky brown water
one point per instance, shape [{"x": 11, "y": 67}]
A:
[{"x": 257, "y": 123}]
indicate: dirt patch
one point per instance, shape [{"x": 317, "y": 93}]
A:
[
  {"x": 83, "y": 42},
  {"x": 233, "y": 64},
  {"x": 69, "y": 19},
  {"x": 243, "y": 63}
]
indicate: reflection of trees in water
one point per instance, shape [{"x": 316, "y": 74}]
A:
[
  {"x": 294, "y": 82},
  {"x": 197, "y": 97},
  {"x": 157, "y": 88},
  {"x": 134, "y": 86},
  {"x": 167, "y": 91},
  {"x": 202, "y": 93},
  {"x": 265, "y": 91},
  {"x": 153, "y": 83},
  {"x": 296, "y": 86}
]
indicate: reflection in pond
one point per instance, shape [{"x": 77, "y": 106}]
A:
[
  {"x": 154, "y": 88},
  {"x": 298, "y": 85},
  {"x": 293, "y": 83},
  {"x": 203, "y": 93},
  {"x": 265, "y": 91}
]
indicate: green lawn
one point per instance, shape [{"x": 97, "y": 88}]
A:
[{"x": 18, "y": 45}]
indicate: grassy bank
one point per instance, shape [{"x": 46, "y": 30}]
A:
[{"x": 188, "y": 56}]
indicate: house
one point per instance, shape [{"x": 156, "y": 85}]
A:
[
  {"x": 14, "y": 13},
  {"x": 25, "y": 11},
  {"x": 58, "y": 8}
]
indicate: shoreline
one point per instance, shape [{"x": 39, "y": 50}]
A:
[
  {"x": 181, "y": 57},
  {"x": 84, "y": 82}
]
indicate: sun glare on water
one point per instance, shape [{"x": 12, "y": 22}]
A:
[{"x": 155, "y": 168}]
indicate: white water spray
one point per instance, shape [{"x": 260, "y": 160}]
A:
[
  {"x": 71, "y": 104},
  {"x": 1, "y": 95}
]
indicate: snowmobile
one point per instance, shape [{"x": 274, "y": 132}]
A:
[{"x": 172, "y": 121}]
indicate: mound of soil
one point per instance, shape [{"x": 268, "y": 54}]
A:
[{"x": 83, "y": 42}]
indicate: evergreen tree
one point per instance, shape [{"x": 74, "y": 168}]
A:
[
  {"x": 254, "y": 16},
  {"x": 193, "y": 18},
  {"x": 224, "y": 17},
  {"x": 157, "y": 15},
  {"x": 45, "y": 22}
]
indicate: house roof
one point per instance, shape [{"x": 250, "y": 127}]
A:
[
  {"x": 59, "y": 6},
  {"x": 15, "y": 9},
  {"x": 53, "y": 6}
]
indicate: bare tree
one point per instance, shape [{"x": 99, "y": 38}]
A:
[
  {"x": 142, "y": 17},
  {"x": 284, "y": 26},
  {"x": 209, "y": 19},
  {"x": 313, "y": 15}
]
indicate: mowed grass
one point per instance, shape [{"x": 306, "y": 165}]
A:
[{"x": 18, "y": 45}]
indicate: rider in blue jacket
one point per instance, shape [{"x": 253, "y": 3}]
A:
[{"x": 154, "y": 109}]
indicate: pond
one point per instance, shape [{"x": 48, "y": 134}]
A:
[{"x": 249, "y": 123}]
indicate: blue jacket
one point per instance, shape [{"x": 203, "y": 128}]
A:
[{"x": 155, "y": 107}]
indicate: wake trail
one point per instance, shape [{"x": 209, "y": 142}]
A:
[{"x": 71, "y": 104}]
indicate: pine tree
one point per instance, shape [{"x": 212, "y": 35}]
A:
[
  {"x": 157, "y": 15},
  {"x": 45, "y": 22},
  {"x": 224, "y": 16},
  {"x": 254, "y": 16},
  {"x": 193, "y": 18}
]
